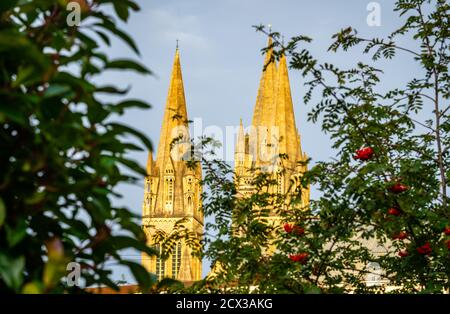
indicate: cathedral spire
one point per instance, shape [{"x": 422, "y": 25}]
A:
[
  {"x": 175, "y": 120},
  {"x": 284, "y": 113},
  {"x": 264, "y": 110},
  {"x": 240, "y": 142},
  {"x": 172, "y": 190}
]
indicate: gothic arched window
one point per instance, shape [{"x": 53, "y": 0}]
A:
[
  {"x": 160, "y": 264},
  {"x": 189, "y": 204},
  {"x": 168, "y": 189},
  {"x": 176, "y": 260},
  {"x": 148, "y": 185}
]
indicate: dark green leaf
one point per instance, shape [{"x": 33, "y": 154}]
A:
[
  {"x": 11, "y": 270},
  {"x": 140, "y": 274},
  {"x": 2, "y": 212},
  {"x": 125, "y": 64}
]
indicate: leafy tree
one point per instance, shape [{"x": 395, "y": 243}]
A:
[
  {"x": 61, "y": 152},
  {"x": 384, "y": 196}
]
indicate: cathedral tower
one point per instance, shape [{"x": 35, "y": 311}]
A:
[
  {"x": 273, "y": 143},
  {"x": 172, "y": 189}
]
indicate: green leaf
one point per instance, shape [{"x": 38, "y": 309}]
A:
[
  {"x": 127, "y": 64},
  {"x": 11, "y": 270},
  {"x": 26, "y": 75},
  {"x": 12, "y": 112},
  {"x": 35, "y": 198},
  {"x": 132, "y": 103},
  {"x": 15, "y": 235},
  {"x": 132, "y": 165},
  {"x": 140, "y": 274},
  {"x": 312, "y": 289},
  {"x": 104, "y": 37},
  {"x": 66, "y": 78},
  {"x": 123, "y": 242},
  {"x": 112, "y": 90},
  {"x": 108, "y": 25},
  {"x": 121, "y": 10},
  {"x": 104, "y": 278},
  {"x": 56, "y": 90},
  {"x": 128, "y": 40},
  {"x": 122, "y": 129},
  {"x": 2, "y": 212},
  {"x": 170, "y": 283},
  {"x": 7, "y": 4},
  {"x": 18, "y": 45}
]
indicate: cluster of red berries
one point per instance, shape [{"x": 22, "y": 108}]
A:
[
  {"x": 297, "y": 230},
  {"x": 294, "y": 229},
  {"x": 425, "y": 249},
  {"x": 365, "y": 153},
  {"x": 398, "y": 188},
  {"x": 299, "y": 258},
  {"x": 422, "y": 250},
  {"x": 393, "y": 211}
]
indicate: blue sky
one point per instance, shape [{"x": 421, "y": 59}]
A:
[{"x": 222, "y": 63}]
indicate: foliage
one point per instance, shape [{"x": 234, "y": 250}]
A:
[
  {"x": 384, "y": 197},
  {"x": 61, "y": 153}
]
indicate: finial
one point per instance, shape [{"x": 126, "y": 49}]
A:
[
  {"x": 177, "y": 43},
  {"x": 282, "y": 40},
  {"x": 270, "y": 28}
]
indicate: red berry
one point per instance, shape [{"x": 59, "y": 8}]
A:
[
  {"x": 403, "y": 253},
  {"x": 288, "y": 228},
  {"x": 398, "y": 188},
  {"x": 300, "y": 258},
  {"x": 293, "y": 229},
  {"x": 425, "y": 249},
  {"x": 394, "y": 211},
  {"x": 400, "y": 236},
  {"x": 447, "y": 230},
  {"x": 448, "y": 244},
  {"x": 365, "y": 153}
]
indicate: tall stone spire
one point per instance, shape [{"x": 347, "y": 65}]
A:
[
  {"x": 175, "y": 114},
  {"x": 263, "y": 112},
  {"x": 240, "y": 142},
  {"x": 172, "y": 189},
  {"x": 273, "y": 133},
  {"x": 284, "y": 112}
]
